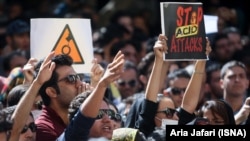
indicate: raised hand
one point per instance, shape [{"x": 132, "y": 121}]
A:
[
  {"x": 46, "y": 69},
  {"x": 114, "y": 70},
  {"x": 160, "y": 46},
  {"x": 83, "y": 87},
  {"x": 96, "y": 74},
  {"x": 244, "y": 112},
  {"x": 28, "y": 71}
]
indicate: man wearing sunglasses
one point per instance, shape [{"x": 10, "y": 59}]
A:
[
  {"x": 177, "y": 83},
  {"x": 56, "y": 93},
  {"x": 90, "y": 113},
  {"x": 127, "y": 84}
]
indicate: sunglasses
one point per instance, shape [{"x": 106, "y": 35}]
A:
[
  {"x": 131, "y": 83},
  {"x": 169, "y": 112},
  {"x": 178, "y": 91},
  {"x": 32, "y": 127},
  {"x": 201, "y": 121},
  {"x": 72, "y": 78},
  {"x": 205, "y": 121},
  {"x": 110, "y": 113}
]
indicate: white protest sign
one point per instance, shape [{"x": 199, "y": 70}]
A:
[
  {"x": 64, "y": 36},
  {"x": 211, "y": 24}
]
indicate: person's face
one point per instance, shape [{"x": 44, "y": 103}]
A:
[
  {"x": 213, "y": 118},
  {"x": 193, "y": 18},
  {"x": 29, "y": 135},
  {"x": 178, "y": 87},
  {"x": 127, "y": 22},
  {"x": 221, "y": 24},
  {"x": 235, "y": 41},
  {"x": 102, "y": 127},
  {"x": 165, "y": 104},
  {"x": 214, "y": 85},
  {"x": 127, "y": 83},
  {"x": 223, "y": 49},
  {"x": 15, "y": 11},
  {"x": 235, "y": 81},
  {"x": 17, "y": 61},
  {"x": 98, "y": 57},
  {"x": 67, "y": 90},
  {"x": 130, "y": 53},
  {"x": 21, "y": 41}
]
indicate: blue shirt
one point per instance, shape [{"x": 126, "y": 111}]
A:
[{"x": 78, "y": 129}]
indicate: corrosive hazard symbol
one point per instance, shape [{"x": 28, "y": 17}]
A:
[{"x": 66, "y": 44}]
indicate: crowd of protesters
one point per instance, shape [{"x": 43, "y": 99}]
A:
[{"x": 131, "y": 93}]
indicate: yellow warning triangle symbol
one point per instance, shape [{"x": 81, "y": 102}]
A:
[{"x": 66, "y": 44}]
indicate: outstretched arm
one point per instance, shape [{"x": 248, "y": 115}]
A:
[
  {"x": 155, "y": 79},
  {"x": 145, "y": 122},
  {"x": 91, "y": 105},
  {"x": 25, "y": 105},
  {"x": 192, "y": 93}
]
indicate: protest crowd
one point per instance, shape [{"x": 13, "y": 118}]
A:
[{"x": 131, "y": 93}]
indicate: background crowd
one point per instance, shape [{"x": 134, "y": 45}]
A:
[{"x": 131, "y": 93}]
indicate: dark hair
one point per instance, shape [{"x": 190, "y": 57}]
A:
[
  {"x": 217, "y": 37},
  {"x": 16, "y": 94},
  {"x": 219, "y": 107},
  {"x": 121, "y": 44},
  {"x": 145, "y": 63},
  {"x": 8, "y": 58},
  {"x": 150, "y": 43},
  {"x": 210, "y": 69},
  {"x": 179, "y": 73},
  {"x": 5, "y": 120},
  {"x": 76, "y": 103},
  {"x": 107, "y": 33},
  {"x": 230, "y": 65},
  {"x": 17, "y": 27},
  {"x": 130, "y": 65},
  {"x": 112, "y": 104},
  {"x": 143, "y": 66},
  {"x": 60, "y": 60}
]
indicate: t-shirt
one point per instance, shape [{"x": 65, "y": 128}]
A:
[{"x": 49, "y": 125}]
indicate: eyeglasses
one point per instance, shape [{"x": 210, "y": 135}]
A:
[
  {"x": 72, "y": 78},
  {"x": 178, "y": 91},
  {"x": 201, "y": 121},
  {"x": 169, "y": 112},
  {"x": 205, "y": 121},
  {"x": 131, "y": 83},
  {"x": 110, "y": 113},
  {"x": 32, "y": 127}
]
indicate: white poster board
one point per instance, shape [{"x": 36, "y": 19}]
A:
[
  {"x": 63, "y": 35},
  {"x": 211, "y": 25}
]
